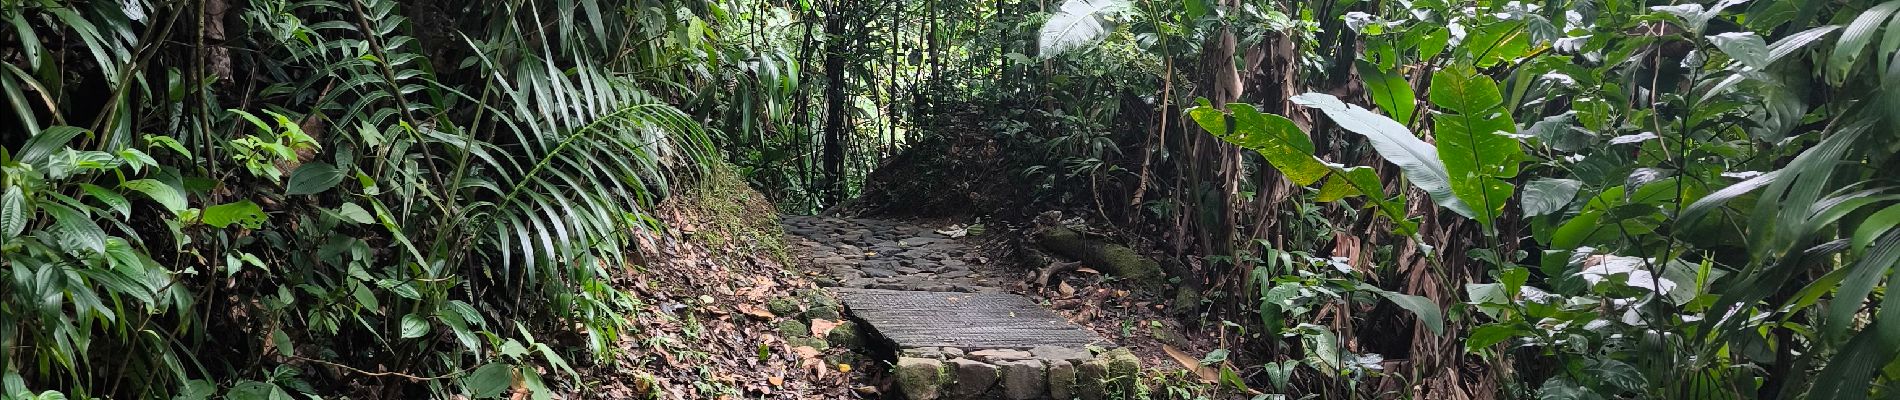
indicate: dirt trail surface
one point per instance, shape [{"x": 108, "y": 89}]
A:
[{"x": 943, "y": 309}]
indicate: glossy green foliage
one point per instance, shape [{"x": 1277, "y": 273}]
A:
[{"x": 367, "y": 190}]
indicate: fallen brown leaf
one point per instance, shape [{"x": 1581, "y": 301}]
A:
[
  {"x": 755, "y": 311},
  {"x": 806, "y": 352},
  {"x": 822, "y": 327},
  {"x": 1207, "y": 374}
]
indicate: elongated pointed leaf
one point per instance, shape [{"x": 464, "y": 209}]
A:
[
  {"x": 1417, "y": 159},
  {"x": 13, "y": 213},
  {"x": 313, "y": 178},
  {"x": 1390, "y": 91},
  {"x": 1427, "y": 311},
  {"x": 1855, "y": 38},
  {"x": 1282, "y": 143}
]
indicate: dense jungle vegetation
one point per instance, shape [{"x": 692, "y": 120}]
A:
[{"x": 1428, "y": 199}]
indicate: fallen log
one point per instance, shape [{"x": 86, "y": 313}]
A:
[{"x": 1112, "y": 259}]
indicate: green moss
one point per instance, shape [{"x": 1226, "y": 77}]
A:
[
  {"x": 806, "y": 341},
  {"x": 846, "y": 335},
  {"x": 921, "y": 378},
  {"x": 783, "y": 307},
  {"x": 793, "y": 328}
]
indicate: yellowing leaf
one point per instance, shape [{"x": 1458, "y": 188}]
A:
[{"x": 1191, "y": 363}]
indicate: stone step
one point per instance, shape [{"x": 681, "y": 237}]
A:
[{"x": 989, "y": 345}]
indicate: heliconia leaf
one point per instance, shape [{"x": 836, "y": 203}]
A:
[
  {"x": 1077, "y": 23},
  {"x": 1791, "y": 43},
  {"x": 1417, "y": 159},
  {"x": 1282, "y": 143}
]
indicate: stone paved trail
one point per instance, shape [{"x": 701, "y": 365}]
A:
[
  {"x": 879, "y": 254},
  {"x": 944, "y": 311}
]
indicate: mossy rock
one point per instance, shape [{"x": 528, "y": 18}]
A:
[
  {"x": 819, "y": 311},
  {"x": 783, "y": 307},
  {"x": 847, "y": 357},
  {"x": 820, "y": 305},
  {"x": 1187, "y": 301},
  {"x": 1123, "y": 369},
  {"x": 793, "y": 328},
  {"x": 806, "y": 341},
  {"x": 846, "y": 335},
  {"x": 920, "y": 378}
]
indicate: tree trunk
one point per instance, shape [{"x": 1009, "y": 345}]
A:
[{"x": 836, "y": 45}]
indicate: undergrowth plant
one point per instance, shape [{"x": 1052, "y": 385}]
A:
[
  {"x": 1676, "y": 201},
  {"x": 312, "y": 196}
]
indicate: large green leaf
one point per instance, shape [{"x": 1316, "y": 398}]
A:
[
  {"x": 164, "y": 194},
  {"x": 1390, "y": 91},
  {"x": 1427, "y": 311},
  {"x": 1416, "y": 159},
  {"x": 414, "y": 326},
  {"x": 1460, "y": 89},
  {"x": 241, "y": 212},
  {"x": 489, "y": 381},
  {"x": 1282, "y": 143},
  {"x": 1474, "y": 140},
  {"x": 13, "y": 213},
  {"x": 1547, "y": 195},
  {"x": 1078, "y": 23},
  {"x": 314, "y": 177},
  {"x": 76, "y": 230},
  {"x": 1745, "y": 47}
]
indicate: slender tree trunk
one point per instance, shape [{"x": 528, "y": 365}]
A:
[{"x": 836, "y": 45}]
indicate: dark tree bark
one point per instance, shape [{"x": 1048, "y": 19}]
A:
[{"x": 836, "y": 46}]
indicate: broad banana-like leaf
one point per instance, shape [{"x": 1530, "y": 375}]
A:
[
  {"x": 1078, "y": 23},
  {"x": 1474, "y": 141},
  {"x": 1417, "y": 159}
]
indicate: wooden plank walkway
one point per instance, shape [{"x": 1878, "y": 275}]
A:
[{"x": 967, "y": 321}]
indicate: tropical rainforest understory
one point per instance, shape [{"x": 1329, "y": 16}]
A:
[{"x": 1426, "y": 199}]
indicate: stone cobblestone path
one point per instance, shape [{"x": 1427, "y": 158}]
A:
[{"x": 943, "y": 310}]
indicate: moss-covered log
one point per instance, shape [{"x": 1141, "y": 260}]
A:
[{"x": 1110, "y": 258}]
